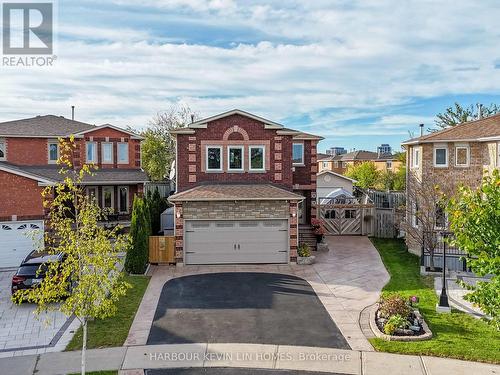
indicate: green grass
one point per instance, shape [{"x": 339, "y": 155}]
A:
[
  {"x": 455, "y": 335},
  {"x": 113, "y": 331}
]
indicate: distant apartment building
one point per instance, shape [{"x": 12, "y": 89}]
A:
[
  {"x": 384, "y": 148},
  {"x": 333, "y": 151}
]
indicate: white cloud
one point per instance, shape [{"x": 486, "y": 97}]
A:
[{"x": 362, "y": 58}]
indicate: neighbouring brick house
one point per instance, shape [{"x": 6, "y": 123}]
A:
[
  {"x": 455, "y": 156},
  {"x": 246, "y": 187},
  {"x": 28, "y": 154}
]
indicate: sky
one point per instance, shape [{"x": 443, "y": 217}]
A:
[{"x": 359, "y": 73}]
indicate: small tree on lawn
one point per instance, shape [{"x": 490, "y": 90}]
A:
[
  {"x": 425, "y": 215},
  {"x": 475, "y": 221},
  {"x": 88, "y": 277},
  {"x": 140, "y": 230}
]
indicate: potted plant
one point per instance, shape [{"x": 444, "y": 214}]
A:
[
  {"x": 304, "y": 254},
  {"x": 319, "y": 231}
]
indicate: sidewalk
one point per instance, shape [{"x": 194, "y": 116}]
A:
[
  {"x": 456, "y": 294},
  {"x": 243, "y": 356}
]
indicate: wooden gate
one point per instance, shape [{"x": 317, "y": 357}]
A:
[
  {"x": 344, "y": 219},
  {"x": 161, "y": 249}
]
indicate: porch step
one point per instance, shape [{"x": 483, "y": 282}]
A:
[{"x": 306, "y": 235}]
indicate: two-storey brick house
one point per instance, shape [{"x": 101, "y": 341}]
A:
[
  {"x": 245, "y": 185},
  {"x": 455, "y": 156},
  {"x": 28, "y": 154}
]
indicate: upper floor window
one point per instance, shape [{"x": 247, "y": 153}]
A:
[
  {"x": 498, "y": 155},
  {"x": 107, "y": 152},
  {"x": 462, "y": 156},
  {"x": 325, "y": 165},
  {"x": 298, "y": 154},
  {"x": 416, "y": 157},
  {"x": 214, "y": 158},
  {"x": 235, "y": 158},
  {"x": 91, "y": 152},
  {"x": 389, "y": 164},
  {"x": 123, "y": 153},
  {"x": 257, "y": 158},
  {"x": 3, "y": 152},
  {"x": 440, "y": 156},
  {"x": 53, "y": 151}
]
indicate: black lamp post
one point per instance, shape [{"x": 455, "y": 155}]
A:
[{"x": 443, "y": 298}]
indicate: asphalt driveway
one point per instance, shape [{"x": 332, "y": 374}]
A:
[
  {"x": 229, "y": 371},
  {"x": 234, "y": 307}
]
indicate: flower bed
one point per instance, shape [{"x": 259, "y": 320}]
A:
[{"x": 394, "y": 319}]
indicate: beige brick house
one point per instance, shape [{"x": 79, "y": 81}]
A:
[{"x": 451, "y": 157}]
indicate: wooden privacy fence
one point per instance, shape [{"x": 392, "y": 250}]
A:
[
  {"x": 346, "y": 219},
  {"x": 387, "y": 222},
  {"x": 161, "y": 249}
]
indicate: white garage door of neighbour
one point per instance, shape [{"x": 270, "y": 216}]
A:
[
  {"x": 245, "y": 241},
  {"x": 16, "y": 241}
]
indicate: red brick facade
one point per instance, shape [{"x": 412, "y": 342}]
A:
[
  {"x": 19, "y": 196},
  {"x": 243, "y": 131}
]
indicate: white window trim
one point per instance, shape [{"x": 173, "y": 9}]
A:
[
  {"x": 4, "y": 143},
  {"x": 415, "y": 162},
  {"x": 498, "y": 155},
  {"x": 103, "y": 161},
  {"x": 467, "y": 148},
  {"x": 128, "y": 200},
  {"x": 303, "y": 161},
  {"x": 325, "y": 165},
  {"x": 441, "y": 147},
  {"x": 388, "y": 164},
  {"x": 221, "y": 159},
  {"x": 250, "y": 158},
  {"x": 118, "y": 153},
  {"x": 229, "y": 169},
  {"x": 104, "y": 188},
  {"x": 87, "y": 144},
  {"x": 52, "y": 142}
]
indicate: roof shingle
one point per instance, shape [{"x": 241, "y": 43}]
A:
[
  {"x": 237, "y": 192},
  {"x": 43, "y": 126}
]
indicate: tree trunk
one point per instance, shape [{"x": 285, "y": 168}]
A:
[{"x": 84, "y": 344}]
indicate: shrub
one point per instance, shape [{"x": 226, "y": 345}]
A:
[
  {"x": 304, "y": 250},
  {"x": 140, "y": 229},
  {"x": 395, "y": 321},
  {"x": 394, "y": 305}
]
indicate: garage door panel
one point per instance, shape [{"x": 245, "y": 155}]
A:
[
  {"x": 245, "y": 241},
  {"x": 18, "y": 239}
]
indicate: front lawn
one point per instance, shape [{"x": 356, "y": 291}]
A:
[
  {"x": 113, "y": 331},
  {"x": 456, "y": 335}
]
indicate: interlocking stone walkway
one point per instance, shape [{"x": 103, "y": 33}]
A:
[
  {"x": 21, "y": 332},
  {"x": 346, "y": 279}
]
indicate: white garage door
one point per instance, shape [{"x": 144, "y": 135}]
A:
[
  {"x": 16, "y": 241},
  {"x": 246, "y": 241}
]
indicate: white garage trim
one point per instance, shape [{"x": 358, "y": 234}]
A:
[
  {"x": 16, "y": 241},
  {"x": 236, "y": 241}
]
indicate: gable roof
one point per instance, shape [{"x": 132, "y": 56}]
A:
[
  {"x": 43, "y": 126},
  {"x": 268, "y": 124},
  {"x": 359, "y": 155},
  {"x": 203, "y": 122},
  {"x": 49, "y": 174},
  {"x": 484, "y": 129},
  {"x": 336, "y": 174},
  {"x": 50, "y": 126},
  {"x": 234, "y": 192}
]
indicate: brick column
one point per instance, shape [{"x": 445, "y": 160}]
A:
[
  {"x": 294, "y": 236},
  {"x": 179, "y": 233},
  {"x": 314, "y": 170}
]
